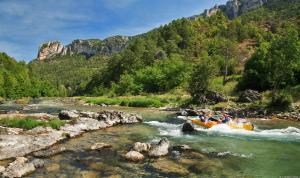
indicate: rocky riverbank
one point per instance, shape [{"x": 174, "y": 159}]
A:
[{"x": 16, "y": 145}]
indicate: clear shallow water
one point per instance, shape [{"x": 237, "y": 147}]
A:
[{"x": 272, "y": 150}]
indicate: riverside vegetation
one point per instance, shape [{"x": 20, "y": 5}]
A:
[{"x": 258, "y": 50}]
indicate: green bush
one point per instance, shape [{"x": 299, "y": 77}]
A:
[
  {"x": 145, "y": 102},
  {"x": 281, "y": 102},
  {"x": 29, "y": 123}
]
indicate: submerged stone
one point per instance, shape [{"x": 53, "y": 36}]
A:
[{"x": 134, "y": 156}]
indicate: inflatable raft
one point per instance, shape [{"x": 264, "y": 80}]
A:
[{"x": 245, "y": 126}]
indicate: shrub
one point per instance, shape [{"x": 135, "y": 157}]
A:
[
  {"x": 29, "y": 123},
  {"x": 145, "y": 102},
  {"x": 281, "y": 102}
]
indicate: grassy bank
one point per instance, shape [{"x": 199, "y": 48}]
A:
[
  {"x": 29, "y": 123},
  {"x": 140, "y": 101}
]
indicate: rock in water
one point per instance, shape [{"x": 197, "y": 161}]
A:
[
  {"x": 19, "y": 168},
  {"x": 118, "y": 117},
  {"x": 160, "y": 149},
  {"x": 250, "y": 96},
  {"x": 99, "y": 146},
  {"x": 187, "y": 127},
  {"x": 181, "y": 148},
  {"x": 67, "y": 115},
  {"x": 141, "y": 147},
  {"x": 134, "y": 156},
  {"x": 2, "y": 168}
]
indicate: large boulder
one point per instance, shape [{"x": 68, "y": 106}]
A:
[
  {"x": 249, "y": 96},
  {"x": 141, "y": 147},
  {"x": 160, "y": 149},
  {"x": 118, "y": 117},
  {"x": 188, "y": 128},
  {"x": 67, "y": 115},
  {"x": 134, "y": 156},
  {"x": 210, "y": 97},
  {"x": 215, "y": 97}
]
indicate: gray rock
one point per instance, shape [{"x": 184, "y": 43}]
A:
[
  {"x": 18, "y": 168},
  {"x": 41, "y": 138},
  {"x": 250, "y": 96},
  {"x": 118, "y": 117},
  {"x": 210, "y": 97},
  {"x": 134, "y": 156},
  {"x": 67, "y": 115},
  {"x": 38, "y": 163},
  {"x": 99, "y": 146},
  {"x": 2, "y": 168},
  {"x": 141, "y": 147},
  {"x": 160, "y": 149},
  {"x": 90, "y": 47},
  {"x": 188, "y": 127},
  {"x": 50, "y": 49},
  {"x": 175, "y": 154},
  {"x": 92, "y": 115},
  {"x": 235, "y": 8}
]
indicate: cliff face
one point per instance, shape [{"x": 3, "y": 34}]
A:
[
  {"x": 89, "y": 48},
  {"x": 235, "y": 8}
]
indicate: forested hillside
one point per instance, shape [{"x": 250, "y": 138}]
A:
[
  {"x": 17, "y": 81},
  {"x": 165, "y": 58},
  {"x": 145, "y": 65}
]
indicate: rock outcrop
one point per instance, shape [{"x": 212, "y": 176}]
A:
[
  {"x": 21, "y": 166},
  {"x": 249, "y": 96},
  {"x": 50, "y": 49},
  {"x": 235, "y": 8},
  {"x": 40, "y": 138},
  {"x": 88, "y": 48}
]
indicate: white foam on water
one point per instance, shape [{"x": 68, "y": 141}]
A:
[
  {"x": 226, "y": 153},
  {"x": 290, "y": 132},
  {"x": 167, "y": 129},
  {"x": 286, "y": 134}
]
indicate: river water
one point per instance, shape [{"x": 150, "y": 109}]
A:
[{"x": 272, "y": 150}]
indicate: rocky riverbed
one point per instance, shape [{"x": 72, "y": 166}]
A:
[
  {"x": 157, "y": 147},
  {"x": 15, "y": 145}
]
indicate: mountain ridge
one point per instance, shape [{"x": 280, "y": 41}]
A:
[
  {"x": 115, "y": 44},
  {"x": 88, "y": 47}
]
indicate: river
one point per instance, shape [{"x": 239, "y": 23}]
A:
[{"x": 272, "y": 150}]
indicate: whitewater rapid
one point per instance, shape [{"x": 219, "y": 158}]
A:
[{"x": 285, "y": 134}]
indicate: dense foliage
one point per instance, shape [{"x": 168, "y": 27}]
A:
[
  {"x": 275, "y": 64},
  {"x": 16, "y": 81},
  {"x": 176, "y": 55}
]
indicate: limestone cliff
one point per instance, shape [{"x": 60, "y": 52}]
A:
[
  {"x": 235, "y": 8},
  {"x": 88, "y": 48}
]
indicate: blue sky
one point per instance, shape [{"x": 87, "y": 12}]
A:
[{"x": 25, "y": 24}]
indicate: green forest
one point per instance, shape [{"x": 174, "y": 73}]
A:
[{"x": 258, "y": 50}]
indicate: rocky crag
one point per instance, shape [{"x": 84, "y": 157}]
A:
[
  {"x": 234, "y": 8},
  {"x": 106, "y": 47}
]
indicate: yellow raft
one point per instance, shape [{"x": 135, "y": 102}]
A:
[{"x": 245, "y": 126}]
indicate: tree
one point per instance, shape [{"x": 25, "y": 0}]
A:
[
  {"x": 275, "y": 64},
  {"x": 201, "y": 78}
]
